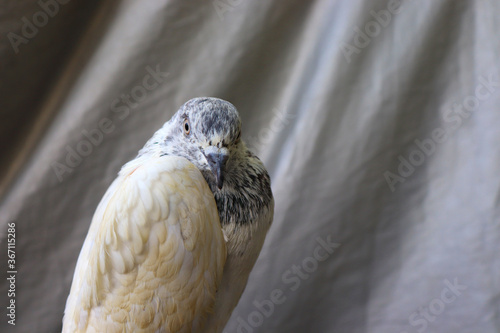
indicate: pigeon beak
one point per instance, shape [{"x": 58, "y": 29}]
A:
[{"x": 217, "y": 162}]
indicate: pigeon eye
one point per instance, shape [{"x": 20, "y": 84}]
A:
[{"x": 186, "y": 126}]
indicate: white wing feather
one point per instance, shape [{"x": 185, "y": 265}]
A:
[{"x": 154, "y": 254}]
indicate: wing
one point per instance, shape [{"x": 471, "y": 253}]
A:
[{"x": 154, "y": 254}]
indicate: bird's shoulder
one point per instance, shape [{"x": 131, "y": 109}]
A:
[{"x": 155, "y": 232}]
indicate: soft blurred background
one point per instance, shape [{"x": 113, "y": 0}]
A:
[{"x": 378, "y": 121}]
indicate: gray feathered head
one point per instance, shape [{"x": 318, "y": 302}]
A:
[{"x": 207, "y": 132}]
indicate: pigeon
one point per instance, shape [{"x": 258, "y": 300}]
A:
[{"x": 176, "y": 235}]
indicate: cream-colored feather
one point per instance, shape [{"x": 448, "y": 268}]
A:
[{"x": 154, "y": 254}]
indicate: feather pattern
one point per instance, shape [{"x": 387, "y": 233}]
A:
[{"x": 149, "y": 264}]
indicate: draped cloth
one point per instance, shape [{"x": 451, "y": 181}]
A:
[{"x": 377, "y": 120}]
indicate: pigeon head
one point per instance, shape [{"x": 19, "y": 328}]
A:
[
  {"x": 210, "y": 122},
  {"x": 207, "y": 132}
]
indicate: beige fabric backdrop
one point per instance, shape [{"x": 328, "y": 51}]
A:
[{"x": 378, "y": 121}]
